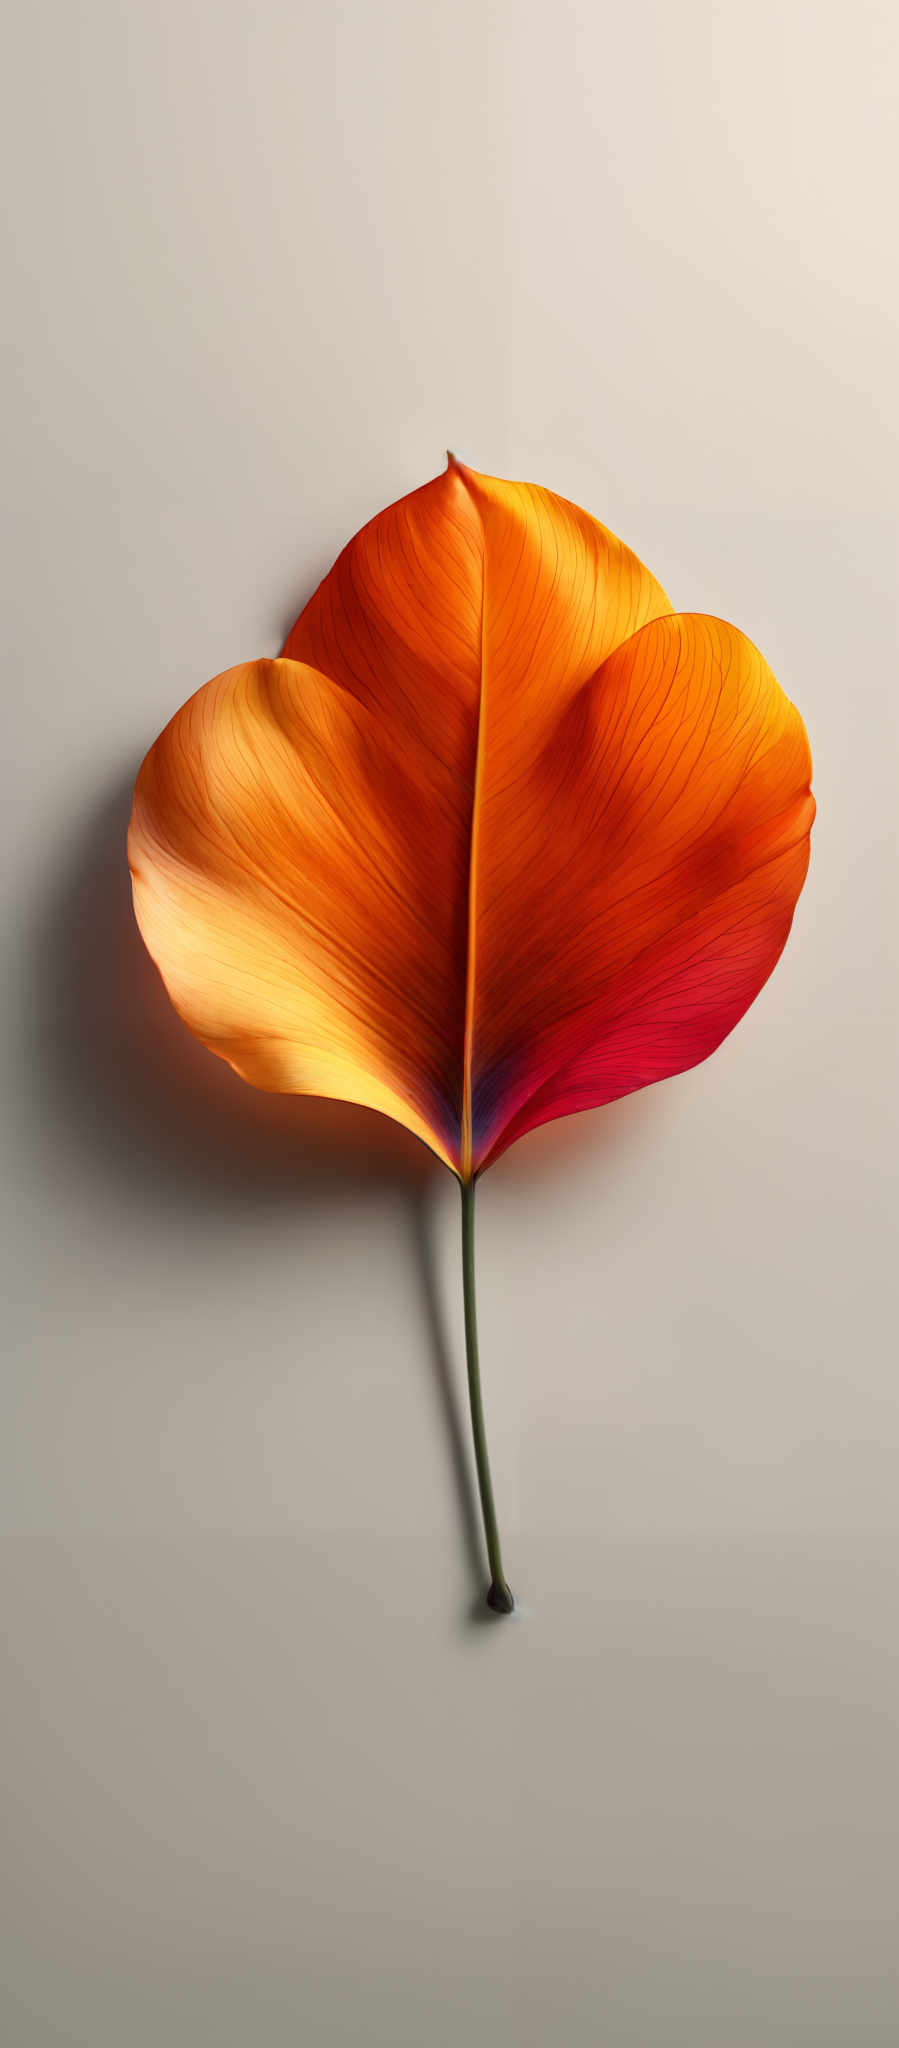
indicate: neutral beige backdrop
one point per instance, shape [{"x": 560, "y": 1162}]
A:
[{"x": 269, "y": 1781}]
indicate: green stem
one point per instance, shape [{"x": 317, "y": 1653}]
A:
[{"x": 499, "y": 1596}]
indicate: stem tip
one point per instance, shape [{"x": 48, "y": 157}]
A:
[{"x": 500, "y": 1598}]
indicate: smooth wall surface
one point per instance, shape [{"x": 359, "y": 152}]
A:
[{"x": 268, "y": 1779}]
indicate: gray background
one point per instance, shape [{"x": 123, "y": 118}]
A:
[{"x": 268, "y": 1781}]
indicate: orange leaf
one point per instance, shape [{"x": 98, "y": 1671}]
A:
[{"x": 498, "y": 838}]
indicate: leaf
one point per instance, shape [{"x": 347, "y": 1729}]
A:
[{"x": 499, "y": 837}]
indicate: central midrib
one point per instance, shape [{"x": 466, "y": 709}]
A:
[{"x": 465, "y": 1148}]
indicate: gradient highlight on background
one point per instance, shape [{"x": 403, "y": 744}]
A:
[{"x": 261, "y": 1782}]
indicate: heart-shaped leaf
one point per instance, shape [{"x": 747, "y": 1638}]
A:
[{"x": 499, "y": 837}]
